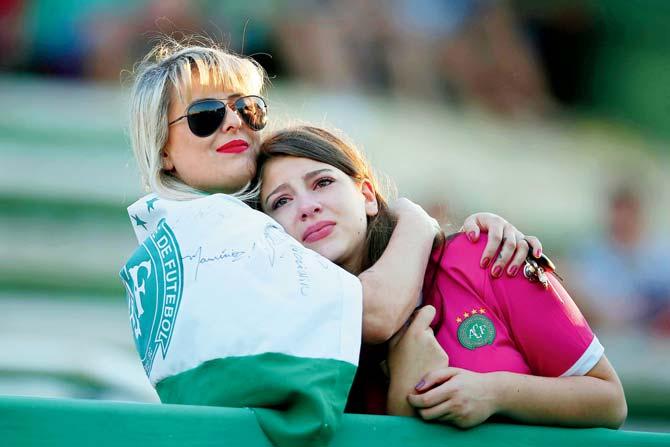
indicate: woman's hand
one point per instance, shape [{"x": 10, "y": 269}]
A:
[
  {"x": 515, "y": 245},
  {"x": 463, "y": 398},
  {"x": 407, "y": 211}
]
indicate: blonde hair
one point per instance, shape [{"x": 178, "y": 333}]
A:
[{"x": 172, "y": 65}]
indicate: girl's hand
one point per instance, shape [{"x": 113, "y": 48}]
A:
[
  {"x": 463, "y": 398},
  {"x": 413, "y": 352},
  {"x": 515, "y": 245}
]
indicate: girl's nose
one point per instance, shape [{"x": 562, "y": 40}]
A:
[{"x": 309, "y": 209}]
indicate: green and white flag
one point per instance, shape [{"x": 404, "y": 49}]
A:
[{"x": 227, "y": 309}]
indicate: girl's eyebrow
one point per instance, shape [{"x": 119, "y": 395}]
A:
[
  {"x": 307, "y": 176},
  {"x": 312, "y": 174}
]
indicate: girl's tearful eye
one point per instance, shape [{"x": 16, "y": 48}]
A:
[
  {"x": 279, "y": 202},
  {"x": 323, "y": 182}
]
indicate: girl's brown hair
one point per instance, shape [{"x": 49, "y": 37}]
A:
[{"x": 326, "y": 147}]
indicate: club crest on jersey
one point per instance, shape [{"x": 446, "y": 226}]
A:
[
  {"x": 154, "y": 280},
  {"x": 475, "y": 329}
]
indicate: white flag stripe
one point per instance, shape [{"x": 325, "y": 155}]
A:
[{"x": 249, "y": 288}]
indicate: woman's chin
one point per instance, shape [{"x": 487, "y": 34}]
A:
[{"x": 229, "y": 187}]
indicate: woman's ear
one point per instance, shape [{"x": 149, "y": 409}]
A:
[
  {"x": 166, "y": 161},
  {"x": 370, "y": 196}
]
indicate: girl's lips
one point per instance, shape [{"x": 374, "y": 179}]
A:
[
  {"x": 233, "y": 147},
  {"x": 318, "y": 231}
]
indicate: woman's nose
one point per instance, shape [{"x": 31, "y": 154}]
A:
[{"x": 231, "y": 121}]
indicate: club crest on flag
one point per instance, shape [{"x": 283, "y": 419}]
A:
[{"x": 154, "y": 280}]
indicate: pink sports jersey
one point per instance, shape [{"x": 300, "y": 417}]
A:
[
  {"x": 486, "y": 324},
  {"x": 505, "y": 324}
]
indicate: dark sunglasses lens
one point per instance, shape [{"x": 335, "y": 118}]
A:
[
  {"x": 205, "y": 117},
  {"x": 253, "y": 111}
]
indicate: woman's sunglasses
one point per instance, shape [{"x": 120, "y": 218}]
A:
[{"x": 206, "y": 115}]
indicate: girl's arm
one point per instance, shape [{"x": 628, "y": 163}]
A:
[
  {"x": 554, "y": 339},
  {"x": 466, "y": 398}
]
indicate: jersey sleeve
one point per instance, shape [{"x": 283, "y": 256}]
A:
[{"x": 546, "y": 325}]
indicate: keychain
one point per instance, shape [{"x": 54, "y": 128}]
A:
[{"x": 536, "y": 269}]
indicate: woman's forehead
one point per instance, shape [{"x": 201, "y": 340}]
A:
[
  {"x": 191, "y": 86},
  {"x": 187, "y": 95}
]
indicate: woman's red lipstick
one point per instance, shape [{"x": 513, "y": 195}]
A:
[
  {"x": 318, "y": 231},
  {"x": 233, "y": 147}
]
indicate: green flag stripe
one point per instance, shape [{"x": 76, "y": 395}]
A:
[{"x": 311, "y": 393}]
